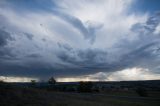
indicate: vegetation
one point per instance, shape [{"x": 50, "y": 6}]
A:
[
  {"x": 142, "y": 92},
  {"x": 85, "y": 87},
  {"x": 13, "y": 96},
  {"x": 76, "y": 94},
  {"x": 33, "y": 83},
  {"x": 52, "y": 80}
]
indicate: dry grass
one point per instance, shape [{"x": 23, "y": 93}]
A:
[{"x": 36, "y": 97}]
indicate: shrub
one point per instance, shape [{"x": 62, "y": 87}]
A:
[{"x": 85, "y": 87}]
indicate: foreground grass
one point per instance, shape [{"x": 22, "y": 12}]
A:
[{"x": 36, "y": 97}]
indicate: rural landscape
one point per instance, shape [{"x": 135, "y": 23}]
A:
[
  {"x": 79, "y": 52},
  {"x": 51, "y": 93}
]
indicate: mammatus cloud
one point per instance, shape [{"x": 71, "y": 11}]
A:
[{"x": 77, "y": 38}]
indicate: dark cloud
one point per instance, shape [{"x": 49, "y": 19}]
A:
[
  {"x": 29, "y": 36},
  {"x": 64, "y": 46},
  {"x": 49, "y": 58},
  {"x": 143, "y": 51},
  {"x": 4, "y": 37},
  {"x": 148, "y": 27},
  {"x": 142, "y": 56},
  {"x": 34, "y": 56},
  {"x": 86, "y": 57}
]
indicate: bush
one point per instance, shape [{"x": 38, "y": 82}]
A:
[{"x": 85, "y": 87}]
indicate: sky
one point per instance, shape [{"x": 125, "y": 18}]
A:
[{"x": 79, "y": 40}]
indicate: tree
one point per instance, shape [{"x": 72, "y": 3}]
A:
[
  {"x": 33, "y": 82},
  {"x": 52, "y": 80},
  {"x": 85, "y": 86}
]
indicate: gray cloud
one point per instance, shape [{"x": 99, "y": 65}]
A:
[
  {"x": 141, "y": 52},
  {"x": 64, "y": 46},
  {"x": 144, "y": 50},
  {"x": 88, "y": 32},
  {"x": 52, "y": 53},
  {"x": 29, "y": 36},
  {"x": 4, "y": 36},
  {"x": 89, "y": 56}
]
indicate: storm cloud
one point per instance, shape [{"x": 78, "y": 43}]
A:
[
  {"x": 78, "y": 38},
  {"x": 4, "y": 37}
]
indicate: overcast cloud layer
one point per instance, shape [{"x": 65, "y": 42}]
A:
[{"x": 78, "y": 39}]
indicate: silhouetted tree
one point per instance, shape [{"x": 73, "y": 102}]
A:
[
  {"x": 52, "y": 80},
  {"x": 85, "y": 87},
  {"x": 33, "y": 83}
]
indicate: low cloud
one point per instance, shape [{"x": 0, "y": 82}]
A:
[
  {"x": 129, "y": 74},
  {"x": 16, "y": 79}
]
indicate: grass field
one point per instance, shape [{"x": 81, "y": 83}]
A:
[{"x": 36, "y": 97}]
